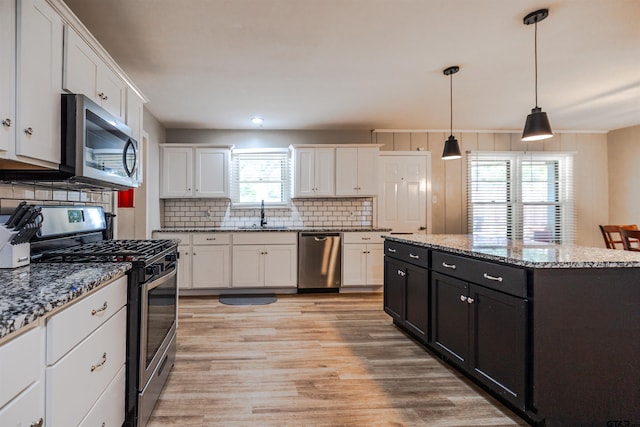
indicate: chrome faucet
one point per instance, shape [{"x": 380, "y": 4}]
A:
[{"x": 263, "y": 220}]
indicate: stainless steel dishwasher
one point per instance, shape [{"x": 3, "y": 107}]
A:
[{"x": 319, "y": 262}]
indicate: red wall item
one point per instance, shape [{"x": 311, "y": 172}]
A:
[{"x": 125, "y": 198}]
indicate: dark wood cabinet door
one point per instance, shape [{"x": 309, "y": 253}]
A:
[
  {"x": 450, "y": 317},
  {"x": 394, "y": 288},
  {"x": 416, "y": 316},
  {"x": 498, "y": 347}
]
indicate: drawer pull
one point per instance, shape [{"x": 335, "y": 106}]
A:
[
  {"x": 496, "y": 279},
  {"x": 366, "y": 238},
  {"x": 401, "y": 273},
  {"x": 211, "y": 238},
  {"x": 470, "y": 300},
  {"x": 414, "y": 256},
  {"x": 463, "y": 298},
  {"x": 98, "y": 310},
  {"x": 393, "y": 251},
  {"x": 451, "y": 266},
  {"x": 102, "y": 362},
  {"x": 37, "y": 423}
]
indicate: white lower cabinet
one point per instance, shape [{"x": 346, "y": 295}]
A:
[
  {"x": 75, "y": 382},
  {"x": 211, "y": 260},
  {"x": 107, "y": 410},
  {"x": 363, "y": 259},
  {"x": 265, "y": 260},
  {"x": 22, "y": 379}
]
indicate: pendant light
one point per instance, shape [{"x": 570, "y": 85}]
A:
[
  {"x": 537, "y": 126},
  {"x": 451, "y": 147}
]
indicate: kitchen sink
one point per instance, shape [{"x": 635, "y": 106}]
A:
[{"x": 266, "y": 227}]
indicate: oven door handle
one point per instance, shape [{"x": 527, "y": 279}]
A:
[{"x": 161, "y": 280}]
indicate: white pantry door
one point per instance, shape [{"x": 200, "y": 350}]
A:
[{"x": 404, "y": 192}]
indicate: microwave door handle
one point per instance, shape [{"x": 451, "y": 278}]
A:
[{"x": 131, "y": 171}]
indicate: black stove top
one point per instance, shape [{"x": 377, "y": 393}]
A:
[{"x": 109, "y": 251}]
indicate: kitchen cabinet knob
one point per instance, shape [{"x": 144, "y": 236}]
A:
[
  {"x": 99, "y": 364},
  {"x": 102, "y": 96},
  {"x": 98, "y": 310},
  {"x": 451, "y": 266},
  {"x": 414, "y": 256},
  {"x": 6, "y": 123},
  {"x": 37, "y": 423},
  {"x": 188, "y": 189},
  {"x": 470, "y": 300},
  {"x": 463, "y": 298},
  {"x": 494, "y": 278},
  {"x": 28, "y": 131}
]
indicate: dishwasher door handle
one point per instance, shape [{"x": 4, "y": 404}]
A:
[{"x": 320, "y": 239}]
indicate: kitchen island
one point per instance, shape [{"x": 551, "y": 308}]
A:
[{"x": 551, "y": 330}]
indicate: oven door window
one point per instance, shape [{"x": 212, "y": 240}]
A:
[{"x": 161, "y": 306}]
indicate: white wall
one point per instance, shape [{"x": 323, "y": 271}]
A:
[{"x": 623, "y": 151}]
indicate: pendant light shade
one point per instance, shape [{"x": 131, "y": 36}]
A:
[
  {"x": 537, "y": 126},
  {"x": 451, "y": 147}
]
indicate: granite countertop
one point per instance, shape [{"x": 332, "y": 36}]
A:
[
  {"x": 269, "y": 229},
  {"x": 526, "y": 254},
  {"x": 28, "y": 293}
]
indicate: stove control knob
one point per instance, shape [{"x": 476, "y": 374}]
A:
[
  {"x": 170, "y": 257},
  {"x": 153, "y": 270}
]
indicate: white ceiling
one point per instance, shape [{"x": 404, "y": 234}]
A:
[{"x": 375, "y": 64}]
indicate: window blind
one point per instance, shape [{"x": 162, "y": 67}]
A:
[
  {"x": 260, "y": 175},
  {"x": 526, "y": 196}
]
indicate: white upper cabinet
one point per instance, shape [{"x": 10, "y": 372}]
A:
[
  {"x": 86, "y": 73},
  {"x": 195, "y": 172},
  {"x": 38, "y": 82},
  {"x": 314, "y": 172},
  {"x": 356, "y": 171},
  {"x": 212, "y": 172},
  {"x": 7, "y": 77},
  {"x": 177, "y": 172}
]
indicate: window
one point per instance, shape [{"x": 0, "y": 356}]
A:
[
  {"x": 527, "y": 196},
  {"x": 260, "y": 175}
]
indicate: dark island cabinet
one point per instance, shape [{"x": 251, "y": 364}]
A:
[
  {"x": 406, "y": 289},
  {"x": 483, "y": 332}
]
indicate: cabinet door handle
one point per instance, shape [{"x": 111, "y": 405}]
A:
[
  {"x": 7, "y": 123},
  {"x": 414, "y": 256},
  {"x": 470, "y": 300},
  {"x": 393, "y": 251},
  {"x": 451, "y": 266},
  {"x": 401, "y": 273},
  {"x": 28, "y": 131},
  {"x": 102, "y": 362},
  {"x": 98, "y": 310},
  {"x": 37, "y": 423},
  {"x": 463, "y": 298},
  {"x": 494, "y": 278}
]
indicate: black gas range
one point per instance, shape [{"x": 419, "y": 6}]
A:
[{"x": 77, "y": 234}]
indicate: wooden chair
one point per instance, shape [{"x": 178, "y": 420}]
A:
[
  {"x": 611, "y": 234},
  {"x": 630, "y": 239}
]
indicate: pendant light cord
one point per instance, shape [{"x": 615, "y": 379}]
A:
[
  {"x": 535, "y": 54},
  {"x": 451, "y": 101}
]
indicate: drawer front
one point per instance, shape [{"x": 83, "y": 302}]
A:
[
  {"x": 265, "y": 238},
  {"x": 74, "y": 384},
  {"x": 182, "y": 238},
  {"x": 363, "y": 237},
  {"x": 73, "y": 324},
  {"x": 109, "y": 409},
  {"x": 27, "y": 409},
  {"x": 211, "y": 238},
  {"x": 510, "y": 280},
  {"x": 21, "y": 362},
  {"x": 409, "y": 253}
]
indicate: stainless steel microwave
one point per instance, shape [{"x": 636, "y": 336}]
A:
[{"x": 97, "y": 150}]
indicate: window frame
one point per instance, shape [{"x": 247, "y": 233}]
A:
[
  {"x": 285, "y": 181},
  {"x": 564, "y": 231}
]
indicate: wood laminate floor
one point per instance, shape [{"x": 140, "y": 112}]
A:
[{"x": 311, "y": 360}]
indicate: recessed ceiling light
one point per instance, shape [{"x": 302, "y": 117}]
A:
[{"x": 257, "y": 120}]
